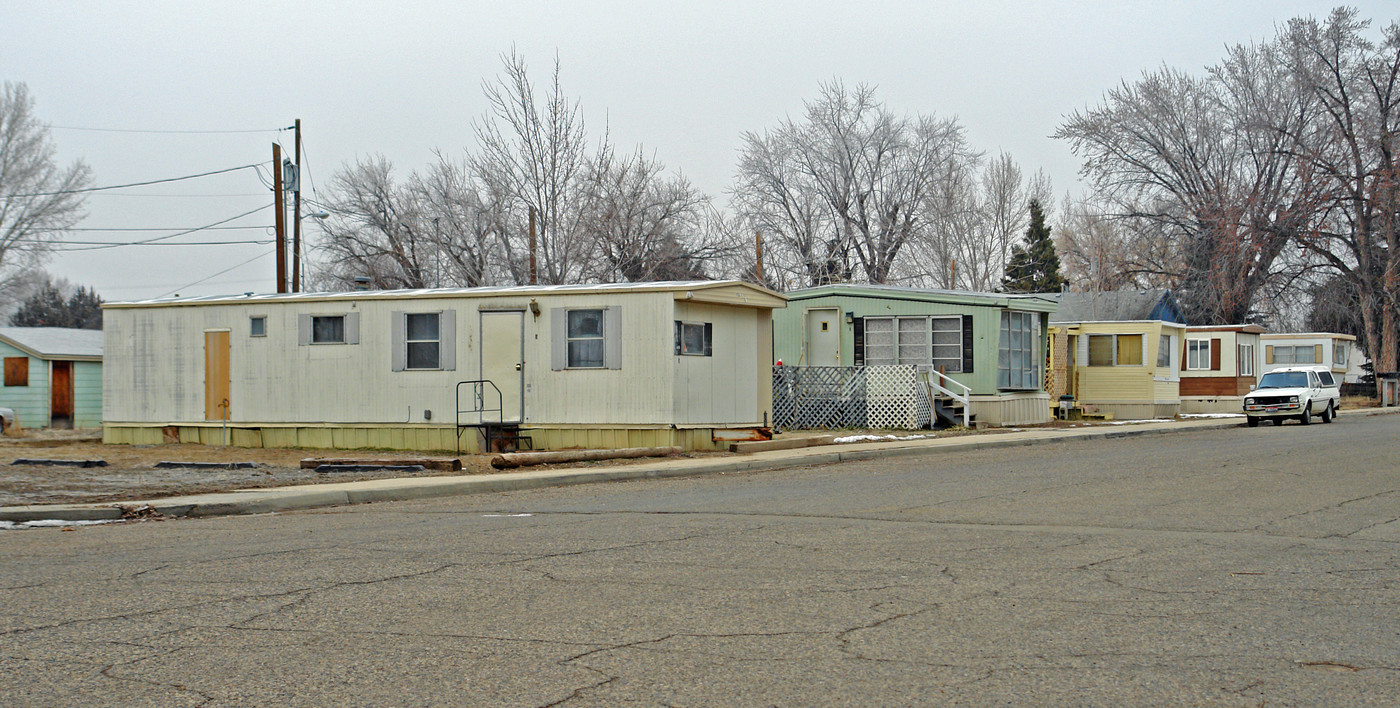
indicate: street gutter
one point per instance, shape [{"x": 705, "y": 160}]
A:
[{"x": 315, "y": 496}]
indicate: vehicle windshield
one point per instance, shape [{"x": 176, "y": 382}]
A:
[{"x": 1284, "y": 379}]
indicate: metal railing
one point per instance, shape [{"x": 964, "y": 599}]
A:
[{"x": 479, "y": 398}]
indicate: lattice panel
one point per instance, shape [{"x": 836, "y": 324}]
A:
[
  {"x": 892, "y": 398},
  {"x": 833, "y": 397},
  {"x": 818, "y": 397}
]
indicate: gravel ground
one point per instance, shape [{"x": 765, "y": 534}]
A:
[{"x": 131, "y": 473}]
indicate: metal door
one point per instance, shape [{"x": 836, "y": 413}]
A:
[
  {"x": 823, "y": 338},
  {"x": 503, "y": 360}
]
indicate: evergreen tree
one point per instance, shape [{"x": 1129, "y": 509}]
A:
[
  {"x": 1036, "y": 267},
  {"x": 48, "y": 308}
]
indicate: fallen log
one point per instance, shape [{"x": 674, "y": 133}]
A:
[
  {"x": 441, "y": 464},
  {"x": 525, "y": 459}
]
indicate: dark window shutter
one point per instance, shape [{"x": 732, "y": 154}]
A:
[
  {"x": 967, "y": 344},
  {"x": 1215, "y": 355},
  {"x": 709, "y": 331},
  {"x": 858, "y": 340}
]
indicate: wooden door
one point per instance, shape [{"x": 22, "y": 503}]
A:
[
  {"x": 216, "y": 376},
  {"x": 61, "y": 394},
  {"x": 503, "y": 362}
]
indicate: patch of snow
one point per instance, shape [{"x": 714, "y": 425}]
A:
[
  {"x": 874, "y": 438},
  {"x": 1212, "y": 415},
  {"x": 1137, "y": 422},
  {"x": 43, "y": 523}
]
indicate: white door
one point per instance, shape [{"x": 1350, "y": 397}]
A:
[
  {"x": 503, "y": 363},
  {"x": 823, "y": 338}
]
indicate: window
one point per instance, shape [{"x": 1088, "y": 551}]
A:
[
  {"x": 1326, "y": 378},
  {"x": 1116, "y": 350},
  {"x": 947, "y": 343},
  {"x": 328, "y": 329},
  {"x": 1018, "y": 360},
  {"x": 422, "y": 340},
  {"x": 1101, "y": 350},
  {"x": 693, "y": 338},
  {"x": 1339, "y": 355},
  {"x": 1246, "y": 360},
  {"x": 1302, "y": 354},
  {"x": 585, "y": 339},
  {"x": 1197, "y": 354},
  {"x": 920, "y": 341},
  {"x": 1164, "y": 351},
  {"x": 16, "y": 371},
  {"x": 257, "y": 326},
  {"x": 879, "y": 341}
]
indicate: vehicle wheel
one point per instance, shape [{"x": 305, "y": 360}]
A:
[
  {"x": 1328, "y": 414},
  {"x": 1306, "y": 417},
  {"x": 1251, "y": 421}
]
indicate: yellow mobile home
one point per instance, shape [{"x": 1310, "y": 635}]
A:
[{"x": 672, "y": 363}]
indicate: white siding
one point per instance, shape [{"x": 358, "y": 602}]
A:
[
  {"x": 154, "y": 369},
  {"x": 722, "y": 387}
]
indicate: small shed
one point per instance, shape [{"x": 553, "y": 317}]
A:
[
  {"x": 53, "y": 376},
  {"x": 1118, "y": 352},
  {"x": 1219, "y": 365},
  {"x": 629, "y": 365},
  {"x": 1333, "y": 350},
  {"x": 991, "y": 343}
]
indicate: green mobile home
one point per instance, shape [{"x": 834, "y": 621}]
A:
[
  {"x": 53, "y": 376},
  {"x": 991, "y": 343}
]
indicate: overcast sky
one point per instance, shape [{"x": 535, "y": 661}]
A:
[{"x": 404, "y": 78}]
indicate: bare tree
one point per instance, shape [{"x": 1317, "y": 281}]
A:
[
  {"x": 643, "y": 225},
  {"x": 533, "y": 153},
  {"x": 1095, "y": 250},
  {"x": 1197, "y": 161},
  {"x": 1356, "y": 84},
  {"x": 376, "y": 230},
  {"x": 39, "y": 200},
  {"x": 844, "y": 186}
]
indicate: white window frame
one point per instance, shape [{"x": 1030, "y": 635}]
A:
[
  {"x": 1246, "y": 362},
  {"x": 1340, "y": 351},
  {"x": 611, "y": 329},
  {"x": 409, "y": 342},
  {"x": 253, "y": 322},
  {"x": 1198, "y": 354},
  {"x": 926, "y": 358},
  {"x": 1027, "y": 375},
  {"x": 601, "y": 338}
]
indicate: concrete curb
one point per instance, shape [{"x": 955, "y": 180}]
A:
[{"x": 262, "y": 501}]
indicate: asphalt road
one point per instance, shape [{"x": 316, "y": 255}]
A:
[{"x": 1225, "y": 567}]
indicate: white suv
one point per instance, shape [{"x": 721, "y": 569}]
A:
[{"x": 1294, "y": 392}]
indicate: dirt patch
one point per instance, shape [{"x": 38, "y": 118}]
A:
[{"x": 131, "y": 473}]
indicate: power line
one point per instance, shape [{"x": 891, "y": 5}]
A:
[
  {"x": 164, "y": 132},
  {"x": 168, "y": 236},
  {"x": 135, "y": 184},
  {"x": 167, "y": 228},
  {"x": 201, "y": 280},
  {"x": 143, "y": 243},
  {"x": 184, "y": 196}
]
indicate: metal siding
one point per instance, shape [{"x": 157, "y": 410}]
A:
[
  {"x": 31, "y": 402},
  {"x": 725, "y": 387},
  {"x": 986, "y": 327}
]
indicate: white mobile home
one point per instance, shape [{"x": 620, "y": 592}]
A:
[
  {"x": 562, "y": 366},
  {"x": 1330, "y": 349}
]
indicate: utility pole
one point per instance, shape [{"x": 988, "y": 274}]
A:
[
  {"x": 281, "y": 218},
  {"x": 296, "y": 218},
  {"x": 758, "y": 249},
  {"x": 532, "y": 246}
]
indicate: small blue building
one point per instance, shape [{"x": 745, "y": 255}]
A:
[{"x": 53, "y": 376}]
